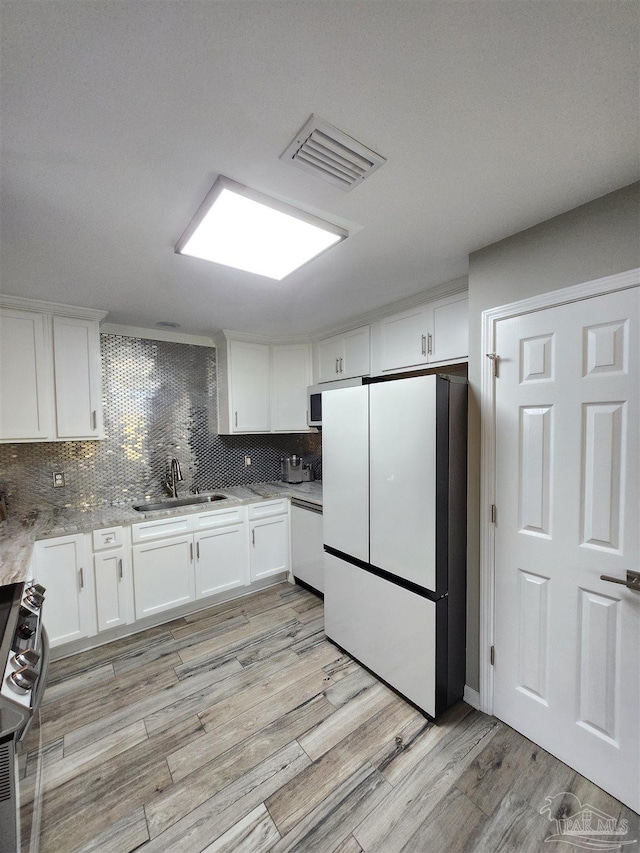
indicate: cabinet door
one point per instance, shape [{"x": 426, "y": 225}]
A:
[
  {"x": 25, "y": 377},
  {"x": 163, "y": 575},
  {"x": 269, "y": 554},
  {"x": 449, "y": 320},
  {"x": 221, "y": 560},
  {"x": 328, "y": 359},
  {"x": 112, "y": 599},
  {"x": 290, "y": 377},
  {"x": 405, "y": 340},
  {"x": 63, "y": 567},
  {"x": 249, "y": 387},
  {"x": 356, "y": 359},
  {"x": 77, "y": 378}
]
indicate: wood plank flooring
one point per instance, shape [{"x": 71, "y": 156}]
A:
[{"x": 241, "y": 728}]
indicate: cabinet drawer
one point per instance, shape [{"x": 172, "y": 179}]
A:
[
  {"x": 219, "y": 518},
  {"x": 160, "y": 528},
  {"x": 267, "y": 508},
  {"x": 107, "y": 537}
]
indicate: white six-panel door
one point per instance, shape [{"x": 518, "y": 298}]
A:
[{"x": 567, "y": 482}]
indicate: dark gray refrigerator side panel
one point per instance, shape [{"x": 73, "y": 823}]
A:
[{"x": 457, "y": 627}]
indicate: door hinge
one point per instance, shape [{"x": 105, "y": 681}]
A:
[
  {"x": 495, "y": 358},
  {"x": 492, "y": 655},
  {"x": 494, "y": 514}
]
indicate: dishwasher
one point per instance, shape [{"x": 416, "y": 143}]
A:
[{"x": 307, "y": 544}]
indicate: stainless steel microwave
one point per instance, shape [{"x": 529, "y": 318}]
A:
[{"x": 314, "y": 397}]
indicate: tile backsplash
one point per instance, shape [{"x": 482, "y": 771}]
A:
[{"x": 159, "y": 401}]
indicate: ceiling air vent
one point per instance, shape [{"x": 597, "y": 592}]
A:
[{"x": 328, "y": 153}]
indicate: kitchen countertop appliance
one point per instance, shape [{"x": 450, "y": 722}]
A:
[
  {"x": 394, "y": 495},
  {"x": 24, "y": 659},
  {"x": 293, "y": 470}
]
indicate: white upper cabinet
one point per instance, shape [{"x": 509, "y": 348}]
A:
[
  {"x": 343, "y": 356},
  {"x": 25, "y": 399},
  {"x": 290, "y": 376},
  {"x": 262, "y": 387},
  {"x": 50, "y": 388},
  {"x": 428, "y": 334},
  {"x": 76, "y": 360},
  {"x": 449, "y": 319},
  {"x": 249, "y": 391}
]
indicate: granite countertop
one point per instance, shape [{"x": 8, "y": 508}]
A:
[{"x": 17, "y": 535}]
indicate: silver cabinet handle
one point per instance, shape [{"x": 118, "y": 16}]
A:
[
  {"x": 120, "y": 568},
  {"x": 191, "y": 550},
  {"x": 81, "y": 577},
  {"x": 341, "y": 365},
  {"x": 632, "y": 581},
  {"x": 94, "y": 419},
  {"x": 424, "y": 345},
  {"x": 430, "y": 344},
  {"x": 253, "y": 537},
  {"x": 197, "y": 550},
  {"x": 337, "y": 365},
  {"x": 236, "y": 419}
]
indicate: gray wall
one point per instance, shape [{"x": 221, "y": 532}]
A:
[{"x": 595, "y": 240}]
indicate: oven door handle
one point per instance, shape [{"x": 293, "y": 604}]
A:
[{"x": 42, "y": 682}]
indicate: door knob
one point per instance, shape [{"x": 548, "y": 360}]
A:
[{"x": 632, "y": 581}]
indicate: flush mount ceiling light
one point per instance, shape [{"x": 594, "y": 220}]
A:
[{"x": 243, "y": 228}]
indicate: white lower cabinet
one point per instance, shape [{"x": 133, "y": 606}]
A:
[
  {"x": 112, "y": 596},
  {"x": 163, "y": 575},
  {"x": 171, "y": 570},
  {"x": 118, "y": 575},
  {"x": 269, "y": 534},
  {"x": 113, "y": 577},
  {"x": 221, "y": 560},
  {"x": 63, "y": 567}
]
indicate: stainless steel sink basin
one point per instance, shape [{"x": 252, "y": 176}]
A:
[{"x": 175, "y": 502}]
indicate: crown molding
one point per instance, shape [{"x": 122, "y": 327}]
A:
[
  {"x": 23, "y": 304},
  {"x": 156, "y": 335},
  {"x": 272, "y": 340},
  {"x": 448, "y": 288}
]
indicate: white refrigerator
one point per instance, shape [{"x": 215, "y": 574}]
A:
[{"x": 394, "y": 526}]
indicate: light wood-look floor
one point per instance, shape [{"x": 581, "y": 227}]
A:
[{"x": 241, "y": 728}]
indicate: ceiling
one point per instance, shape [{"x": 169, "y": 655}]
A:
[{"x": 118, "y": 116}]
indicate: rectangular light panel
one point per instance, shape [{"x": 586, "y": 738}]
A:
[{"x": 243, "y": 228}]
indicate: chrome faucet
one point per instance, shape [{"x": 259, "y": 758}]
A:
[{"x": 175, "y": 477}]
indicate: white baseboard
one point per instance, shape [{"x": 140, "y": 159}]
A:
[{"x": 471, "y": 697}]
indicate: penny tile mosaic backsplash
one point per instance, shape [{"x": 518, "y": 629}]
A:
[{"x": 159, "y": 401}]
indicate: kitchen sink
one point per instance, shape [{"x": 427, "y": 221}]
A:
[{"x": 175, "y": 502}]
